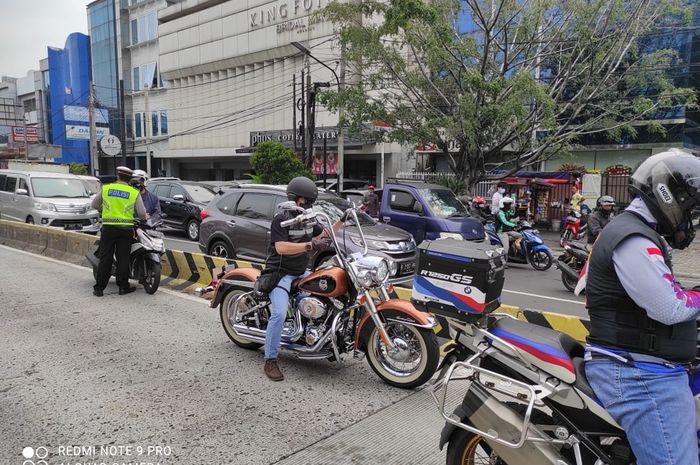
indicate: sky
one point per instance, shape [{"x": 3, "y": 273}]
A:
[{"x": 27, "y": 27}]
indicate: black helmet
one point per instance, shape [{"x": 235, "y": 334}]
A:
[
  {"x": 302, "y": 187},
  {"x": 669, "y": 184}
]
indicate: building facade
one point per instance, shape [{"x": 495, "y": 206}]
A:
[{"x": 234, "y": 79}]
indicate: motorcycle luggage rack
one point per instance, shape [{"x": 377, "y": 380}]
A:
[{"x": 535, "y": 394}]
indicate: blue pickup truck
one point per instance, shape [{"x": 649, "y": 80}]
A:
[{"x": 427, "y": 211}]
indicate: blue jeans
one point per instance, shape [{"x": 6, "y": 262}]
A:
[
  {"x": 279, "y": 304},
  {"x": 656, "y": 410}
]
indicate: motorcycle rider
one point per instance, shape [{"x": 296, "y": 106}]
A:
[
  {"x": 139, "y": 180},
  {"x": 600, "y": 218},
  {"x": 117, "y": 202},
  {"x": 505, "y": 227},
  {"x": 643, "y": 333},
  {"x": 497, "y": 196},
  {"x": 288, "y": 253}
]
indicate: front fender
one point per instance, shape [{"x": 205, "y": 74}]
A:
[
  {"x": 238, "y": 278},
  {"x": 395, "y": 309}
]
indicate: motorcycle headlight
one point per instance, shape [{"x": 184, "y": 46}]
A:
[
  {"x": 393, "y": 267},
  {"x": 45, "y": 206},
  {"x": 447, "y": 235},
  {"x": 365, "y": 278},
  {"x": 381, "y": 274},
  {"x": 372, "y": 271}
]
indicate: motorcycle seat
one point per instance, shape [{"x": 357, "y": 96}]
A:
[
  {"x": 547, "y": 349},
  {"x": 579, "y": 245}
]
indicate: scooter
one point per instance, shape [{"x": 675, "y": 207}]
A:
[
  {"x": 531, "y": 249},
  {"x": 571, "y": 262},
  {"x": 144, "y": 260},
  {"x": 575, "y": 228}
]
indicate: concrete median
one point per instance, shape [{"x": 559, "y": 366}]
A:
[{"x": 28, "y": 237}]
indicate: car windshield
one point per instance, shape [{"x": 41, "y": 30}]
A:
[
  {"x": 443, "y": 203},
  {"x": 199, "y": 193},
  {"x": 334, "y": 207},
  {"x": 91, "y": 186},
  {"x": 59, "y": 188}
]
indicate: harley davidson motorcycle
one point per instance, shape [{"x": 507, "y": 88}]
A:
[{"x": 344, "y": 308}]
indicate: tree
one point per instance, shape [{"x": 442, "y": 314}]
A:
[
  {"x": 529, "y": 79},
  {"x": 274, "y": 163},
  {"x": 77, "y": 168}
]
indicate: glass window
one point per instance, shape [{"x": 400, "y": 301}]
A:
[
  {"x": 227, "y": 204},
  {"x": 58, "y": 188},
  {"x": 162, "y": 190},
  {"x": 443, "y": 203},
  {"x": 402, "y": 201},
  {"x": 177, "y": 190},
  {"x": 10, "y": 184},
  {"x": 22, "y": 184},
  {"x": 199, "y": 193},
  {"x": 136, "y": 85},
  {"x": 137, "y": 125},
  {"x": 2, "y": 181},
  {"x": 334, "y": 207},
  {"x": 255, "y": 206},
  {"x": 142, "y": 28},
  {"x": 151, "y": 25},
  {"x": 154, "y": 123},
  {"x": 163, "y": 123},
  {"x": 134, "y": 32}
]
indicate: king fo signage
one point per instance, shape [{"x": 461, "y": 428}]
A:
[{"x": 288, "y": 15}]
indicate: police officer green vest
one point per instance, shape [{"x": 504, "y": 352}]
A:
[{"x": 118, "y": 203}]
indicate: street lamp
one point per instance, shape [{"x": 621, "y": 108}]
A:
[{"x": 340, "y": 158}]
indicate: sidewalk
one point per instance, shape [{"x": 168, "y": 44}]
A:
[{"x": 686, "y": 263}]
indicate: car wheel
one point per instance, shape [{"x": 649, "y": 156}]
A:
[
  {"x": 192, "y": 230},
  {"x": 221, "y": 249}
]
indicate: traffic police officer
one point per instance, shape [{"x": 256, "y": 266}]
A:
[{"x": 117, "y": 202}]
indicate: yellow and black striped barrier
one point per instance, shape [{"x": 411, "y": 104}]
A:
[{"x": 185, "y": 271}]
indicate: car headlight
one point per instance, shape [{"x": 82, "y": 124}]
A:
[
  {"x": 45, "y": 206},
  {"x": 374, "y": 245},
  {"x": 447, "y": 235}
]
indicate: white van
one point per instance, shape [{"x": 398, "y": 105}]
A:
[{"x": 50, "y": 199}]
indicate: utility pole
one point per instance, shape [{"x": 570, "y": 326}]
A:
[
  {"x": 24, "y": 128},
  {"x": 149, "y": 128},
  {"x": 93, "y": 131},
  {"x": 310, "y": 130},
  {"x": 294, "y": 111},
  {"x": 340, "y": 159},
  {"x": 303, "y": 117}
]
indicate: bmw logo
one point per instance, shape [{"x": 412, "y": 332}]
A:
[{"x": 467, "y": 290}]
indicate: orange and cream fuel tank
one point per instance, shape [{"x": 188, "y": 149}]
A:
[{"x": 328, "y": 282}]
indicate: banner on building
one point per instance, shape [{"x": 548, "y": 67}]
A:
[
  {"x": 331, "y": 163},
  {"x": 83, "y": 132},
  {"x": 82, "y": 115},
  {"x": 18, "y": 134}
]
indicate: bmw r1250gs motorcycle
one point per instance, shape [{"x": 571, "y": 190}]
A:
[{"x": 339, "y": 309}]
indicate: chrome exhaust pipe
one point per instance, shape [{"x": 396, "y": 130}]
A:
[{"x": 486, "y": 413}]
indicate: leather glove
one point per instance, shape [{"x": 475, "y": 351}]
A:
[{"x": 321, "y": 242}]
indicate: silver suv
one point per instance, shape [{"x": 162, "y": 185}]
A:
[{"x": 49, "y": 199}]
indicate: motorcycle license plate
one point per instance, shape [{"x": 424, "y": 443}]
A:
[
  {"x": 406, "y": 268},
  {"x": 73, "y": 227}
]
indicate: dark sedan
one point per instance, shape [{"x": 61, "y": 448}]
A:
[{"x": 237, "y": 225}]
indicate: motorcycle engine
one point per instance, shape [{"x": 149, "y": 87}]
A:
[{"x": 311, "y": 308}]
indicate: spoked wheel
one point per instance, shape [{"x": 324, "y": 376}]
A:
[
  {"x": 541, "y": 260},
  {"x": 151, "y": 278},
  {"x": 411, "y": 362},
  {"x": 470, "y": 449},
  {"x": 230, "y": 316}
]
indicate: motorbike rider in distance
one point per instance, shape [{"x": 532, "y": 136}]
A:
[
  {"x": 600, "y": 218},
  {"x": 139, "y": 180},
  {"x": 288, "y": 254},
  {"x": 643, "y": 332},
  {"x": 505, "y": 227}
]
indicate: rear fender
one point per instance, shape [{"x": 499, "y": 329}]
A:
[
  {"x": 396, "y": 309},
  {"x": 238, "y": 278}
]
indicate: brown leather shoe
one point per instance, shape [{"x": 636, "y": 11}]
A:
[{"x": 272, "y": 370}]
